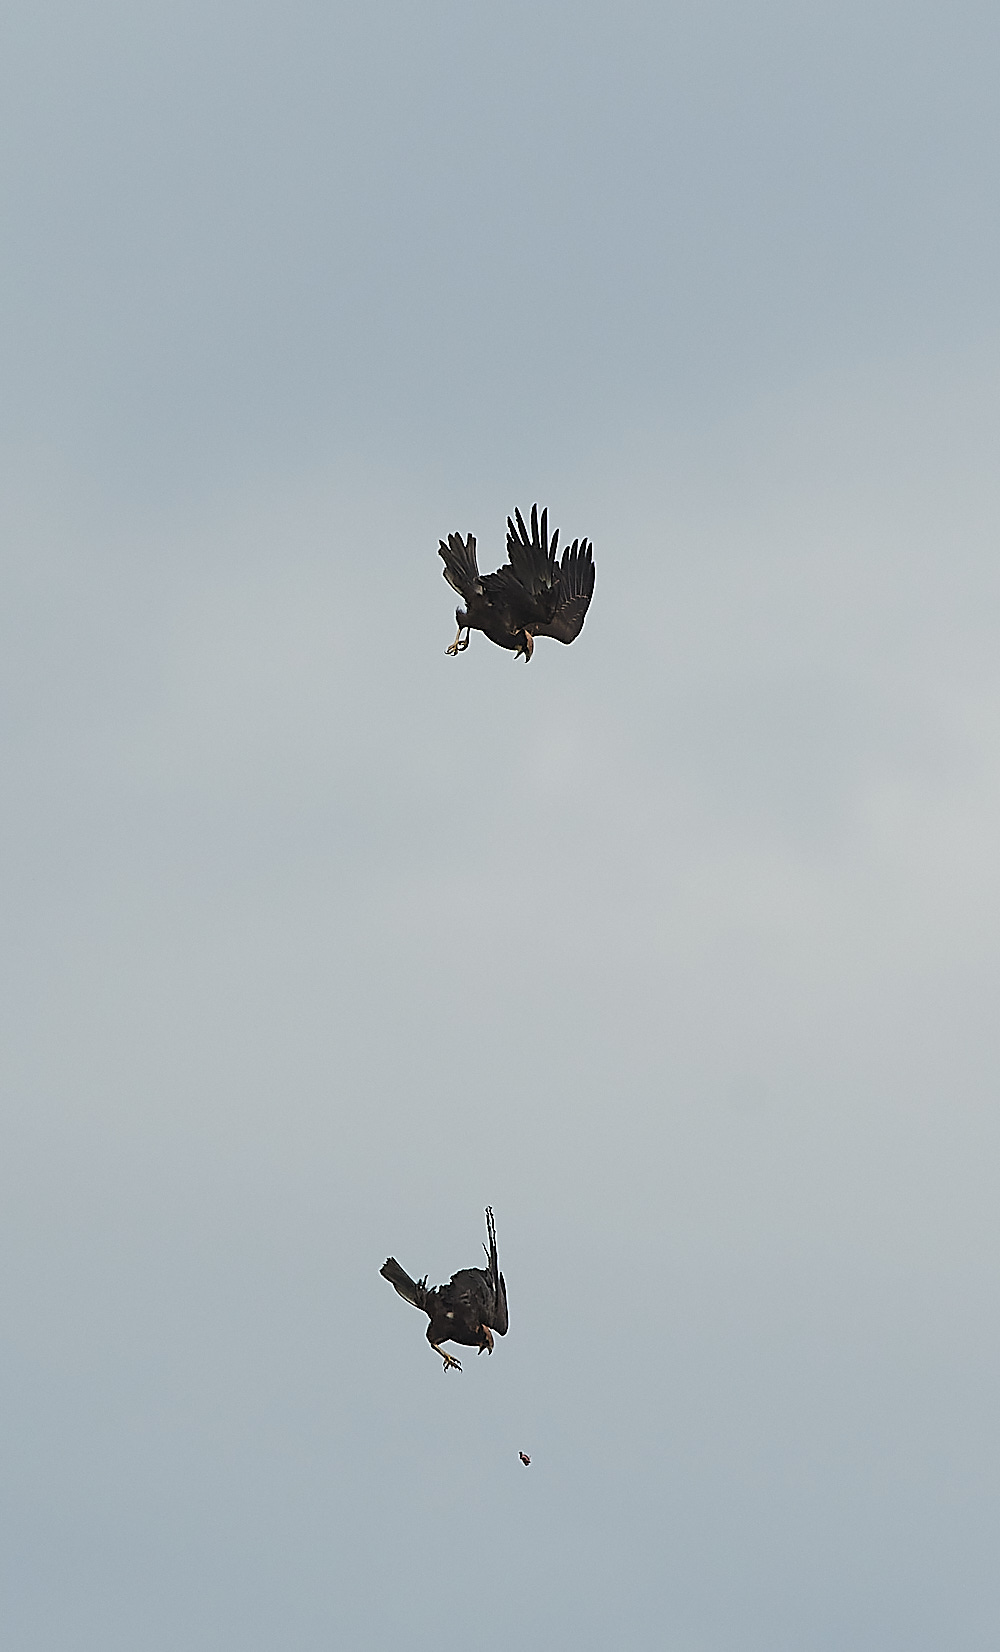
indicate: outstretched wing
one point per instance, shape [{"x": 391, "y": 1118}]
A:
[
  {"x": 461, "y": 569},
  {"x": 575, "y": 589},
  {"x": 498, "y": 1320},
  {"x": 532, "y": 571}
]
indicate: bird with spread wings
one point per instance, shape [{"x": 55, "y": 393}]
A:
[
  {"x": 467, "y": 1310},
  {"x": 534, "y": 594}
]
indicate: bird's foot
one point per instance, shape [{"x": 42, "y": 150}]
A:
[
  {"x": 450, "y": 1363},
  {"x": 461, "y": 643}
]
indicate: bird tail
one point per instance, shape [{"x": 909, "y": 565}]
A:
[
  {"x": 411, "y": 1290},
  {"x": 461, "y": 569}
]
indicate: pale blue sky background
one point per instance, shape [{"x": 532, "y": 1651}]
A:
[{"x": 680, "y": 947}]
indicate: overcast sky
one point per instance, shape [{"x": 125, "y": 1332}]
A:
[{"x": 679, "y": 947}]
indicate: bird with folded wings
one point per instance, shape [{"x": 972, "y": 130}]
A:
[{"x": 467, "y": 1310}]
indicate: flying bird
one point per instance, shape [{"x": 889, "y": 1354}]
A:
[
  {"x": 534, "y": 594},
  {"x": 525, "y": 1460},
  {"x": 468, "y": 1309}
]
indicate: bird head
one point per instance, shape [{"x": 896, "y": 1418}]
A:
[{"x": 485, "y": 1340}]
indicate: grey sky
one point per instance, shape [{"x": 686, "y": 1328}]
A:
[{"x": 679, "y": 947}]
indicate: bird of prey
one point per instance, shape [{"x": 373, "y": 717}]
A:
[
  {"x": 534, "y": 594},
  {"x": 467, "y": 1310},
  {"x": 525, "y": 1460}
]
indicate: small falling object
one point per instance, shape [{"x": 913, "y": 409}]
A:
[{"x": 525, "y": 1460}]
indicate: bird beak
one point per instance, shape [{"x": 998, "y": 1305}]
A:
[{"x": 488, "y": 1344}]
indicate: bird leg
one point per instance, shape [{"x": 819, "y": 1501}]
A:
[
  {"x": 449, "y": 1362},
  {"x": 461, "y": 643}
]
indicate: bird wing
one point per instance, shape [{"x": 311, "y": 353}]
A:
[
  {"x": 461, "y": 569},
  {"x": 575, "y": 589},
  {"x": 498, "y": 1322},
  {"x": 532, "y": 571}
]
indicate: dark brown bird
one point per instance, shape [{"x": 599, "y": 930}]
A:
[
  {"x": 468, "y": 1309},
  {"x": 532, "y": 595},
  {"x": 525, "y": 1460}
]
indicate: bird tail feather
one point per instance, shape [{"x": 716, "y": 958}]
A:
[
  {"x": 461, "y": 569},
  {"x": 411, "y": 1290}
]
